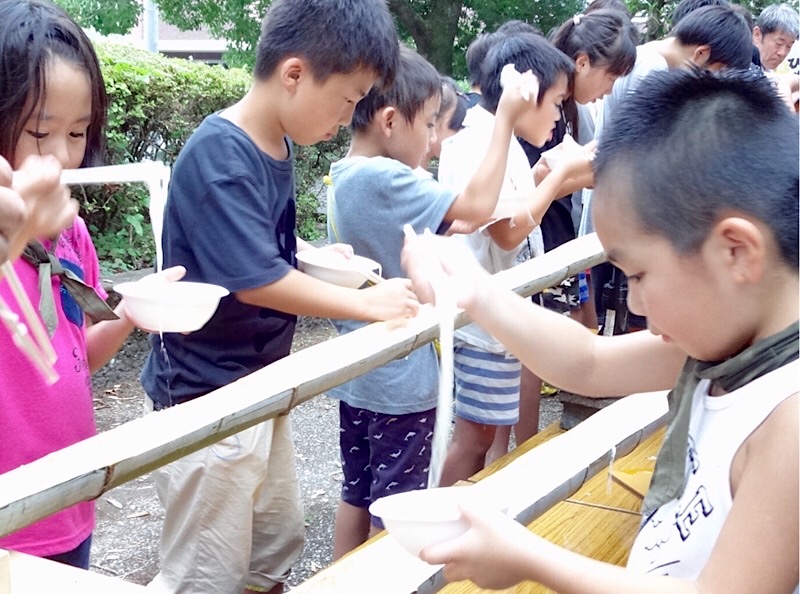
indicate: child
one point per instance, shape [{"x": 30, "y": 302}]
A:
[
  {"x": 449, "y": 120},
  {"x": 387, "y": 415},
  {"x": 53, "y": 103},
  {"x": 234, "y": 518},
  {"x": 602, "y": 44},
  {"x": 685, "y": 227},
  {"x": 487, "y": 380}
]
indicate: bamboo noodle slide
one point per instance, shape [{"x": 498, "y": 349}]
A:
[{"x": 88, "y": 469}]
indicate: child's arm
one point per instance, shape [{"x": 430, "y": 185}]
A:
[
  {"x": 304, "y": 295},
  {"x": 757, "y": 549},
  {"x": 104, "y": 339},
  {"x": 509, "y": 233},
  {"x": 478, "y": 199},
  {"x": 554, "y": 347}
]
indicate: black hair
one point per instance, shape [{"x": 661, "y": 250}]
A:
[
  {"x": 332, "y": 36},
  {"x": 415, "y": 82},
  {"x": 526, "y": 52},
  {"x": 607, "y": 4},
  {"x": 32, "y": 34},
  {"x": 695, "y": 144},
  {"x": 745, "y": 14},
  {"x": 453, "y": 98},
  {"x": 684, "y": 7},
  {"x": 723, "y": 30},
  {"x": 515, "y": 26},
  {"x": 476, "y": 54},
  {"x": 607, "y": 37}
]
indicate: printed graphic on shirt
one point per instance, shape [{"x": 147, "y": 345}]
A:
[{"x": 683, "y": 518}]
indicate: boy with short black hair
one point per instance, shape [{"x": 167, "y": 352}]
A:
[
  {"x": 233, "y": 515},
  {"x": 387, "y": 415},
  {"x": 487, "y": 377},
  {"x": 711, "y": 251}
]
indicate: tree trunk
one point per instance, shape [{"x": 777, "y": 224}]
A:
[{"x": 433, "y": 33}]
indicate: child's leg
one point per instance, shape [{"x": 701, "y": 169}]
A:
[
  {"x": 278, "y": 526},
  {"x": 350, "y": 530},
  {"x": 352, "y": 516},
  {"x": 530, "y": 398},
  {"x": 467, "y": 452},
  {"x": 499, "y": 447},
  {"x": 208, "y": 498}
]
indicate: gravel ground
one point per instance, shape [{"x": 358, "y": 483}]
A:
[{"x": 125, "y": 542}]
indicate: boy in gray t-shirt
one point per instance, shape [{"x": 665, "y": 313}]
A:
[{"x": 387, "y": 415}]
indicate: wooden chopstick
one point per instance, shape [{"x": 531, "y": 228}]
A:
[
  {"x": 31, "y": 317},
  {"x": 26, "y": 344}
]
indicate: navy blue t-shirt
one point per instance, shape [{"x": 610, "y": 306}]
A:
[{"x": 230, "y": 220}]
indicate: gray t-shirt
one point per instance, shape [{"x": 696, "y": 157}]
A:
[{"x": 368, "y": 203}]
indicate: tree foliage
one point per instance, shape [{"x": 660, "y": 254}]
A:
[{"x": 441, "y": 30}]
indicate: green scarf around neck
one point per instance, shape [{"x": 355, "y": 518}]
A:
[
  {"x": 769, "y": 354},
  {"x": 48, "y": 264}
]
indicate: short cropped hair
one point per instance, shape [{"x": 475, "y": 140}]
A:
[
  {"x": 684, "y": 7},
  {"x": 723, "y": 30},
  {"x": 415, "y": 82},
  {"x": 779, "y": 17},
  {"x": 476, "y": 54},
  {"x": 695, "y": 144},
  {"x": 332, "y": 36},
  {"x": 526, "y": 52}
]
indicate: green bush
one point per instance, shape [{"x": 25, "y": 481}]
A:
[{"x": 155, "y": 103}]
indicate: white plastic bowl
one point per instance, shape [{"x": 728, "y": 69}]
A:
[
  {"x": 418, "y": 519},
  {"x": 160, "y": 306},
  {"x": 334, "y": 267}
]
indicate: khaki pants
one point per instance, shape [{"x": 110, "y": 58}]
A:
[{"x": 233, "y": 514}]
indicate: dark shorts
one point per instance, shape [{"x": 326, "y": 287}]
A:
[
  {"x": 77, "y": 557},
  {"x": 562, "y": 298},
  {"x": 383, "y": 454}
]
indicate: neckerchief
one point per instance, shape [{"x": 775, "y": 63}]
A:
[
  {"x": 85, "y": 296},
  {"x": 669, "y": 476}
]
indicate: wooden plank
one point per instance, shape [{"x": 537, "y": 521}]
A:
[
  {"x": 589, "y": 523},
  {"x": 529, "y": 485},
  {"x": 88, "y": 469},
  {"x": 33, "y": 575}
]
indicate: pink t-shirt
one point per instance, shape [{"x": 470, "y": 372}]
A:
[{"x": 36, "y": 419}]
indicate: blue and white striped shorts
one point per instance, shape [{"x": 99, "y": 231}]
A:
[{"x": 486, "y": 386}]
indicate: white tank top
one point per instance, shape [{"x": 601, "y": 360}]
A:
[{"x": 677, "y": 539}]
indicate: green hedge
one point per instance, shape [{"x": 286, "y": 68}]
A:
[{"x": 155, "y": 104}]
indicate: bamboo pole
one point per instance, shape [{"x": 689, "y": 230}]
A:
[{"x": 88, "y": 469}]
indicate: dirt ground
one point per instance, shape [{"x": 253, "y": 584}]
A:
[{"x": 125, "y": 543}]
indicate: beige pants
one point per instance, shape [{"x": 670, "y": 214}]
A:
[{"x": 233, "y": 514}]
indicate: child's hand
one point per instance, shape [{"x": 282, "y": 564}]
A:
[
  {"x": 391, "y": 299},
  {"x": 520, "y": 93},
  {"x": 47, "y": 205},
  {"x": 168, "y": 275},
  {"x": 578, "y": 165},
  {"x": 342, "y": 248},
  {"x": 12, "y": 213},
  {"x": 488, "y": 553},
  {"x": 428, "y": 258}
]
